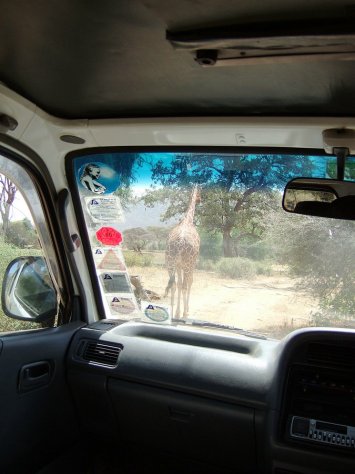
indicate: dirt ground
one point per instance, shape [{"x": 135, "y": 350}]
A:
[{"x": 264, "y": 304}]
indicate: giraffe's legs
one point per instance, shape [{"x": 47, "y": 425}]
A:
[
  {"x": 179, "y": 286},
  {"x": 188, "y": 277},
  {"x": 173, "y": 289},
  {"x": 189, "y": 284}
]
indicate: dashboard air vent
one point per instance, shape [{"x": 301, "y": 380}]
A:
[
  {"x": 102, "y": 353},
  {"x": 331, "y": 355}
]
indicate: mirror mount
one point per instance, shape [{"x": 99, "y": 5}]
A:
[
  {"x": 341, "y": 143},
  {"x": 339, "y": 138},
  {"x": 341, "y": 154}
]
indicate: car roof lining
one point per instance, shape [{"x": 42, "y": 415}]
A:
[{"x": 112, "y": 59}]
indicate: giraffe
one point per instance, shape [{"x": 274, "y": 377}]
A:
[{"x": 182, "y": 249}]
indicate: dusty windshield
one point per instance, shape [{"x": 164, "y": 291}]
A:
[{"x": 201, "y": 238}]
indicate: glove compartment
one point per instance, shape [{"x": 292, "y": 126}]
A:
[{"x": 195, "y": 427}]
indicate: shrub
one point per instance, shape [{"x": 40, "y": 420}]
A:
[
  {"x": 236, "y": 268},
  {"x": 134, "y": 259},
  {"x": 147, "y": 260},
  {"x": 206, "y": 265},
  {"x": 22, "y": 234},
  {"x": 255, "y": 251},
  {"x": 264, "y": 268},
  {"x": 327, "y": 318}
]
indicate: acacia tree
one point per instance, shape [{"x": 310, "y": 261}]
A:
[
  {"x": 234, "y": 189},
  {"x": 126, "y": 166},
  {"x": 7, "y": 197},
  {"x": 136, "y": 239}
]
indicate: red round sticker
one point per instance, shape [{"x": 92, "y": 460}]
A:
[{"x": 109, "y": 236}]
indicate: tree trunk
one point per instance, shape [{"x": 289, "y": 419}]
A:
[
  {"x": 5, "y": 216},
  {"x": 228, "y": 247},
  {"x": 7, "y": 198}
]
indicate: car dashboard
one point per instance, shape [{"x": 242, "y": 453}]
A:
[{"x": 236, "y": 403}]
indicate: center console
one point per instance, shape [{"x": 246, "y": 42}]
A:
[
  {"x": 308, "y": 429},
  {"x": 319, "y": 408}
]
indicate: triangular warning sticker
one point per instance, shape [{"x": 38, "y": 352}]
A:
[
  {"x": 98, "y": 252},
  {"x": 150, "y": 306},
  {"x": 107, "y": 277},
  {"x": 111, "y": 261},
  {"x": 115, "y": 300}
]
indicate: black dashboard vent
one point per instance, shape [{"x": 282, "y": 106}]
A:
[
  {"x": 331, "y": 355},
  {"x": 102, "y": 353}
]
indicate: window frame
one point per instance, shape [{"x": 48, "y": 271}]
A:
[
  {"x": 43, "y": 185},
  {"x": 74, "y": 192}
]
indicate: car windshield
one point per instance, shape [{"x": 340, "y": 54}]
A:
[{"x": 201, "y": 238}]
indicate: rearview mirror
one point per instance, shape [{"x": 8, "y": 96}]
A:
[
  {"x": 320, "y": 197},
  {"x": 27, "y": 291}
]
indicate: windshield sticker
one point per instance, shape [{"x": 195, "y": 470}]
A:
[
  {"x": 117, "y": 282},
  {"x": 122, "y": 305},
  {"x": 156, "y": 314},
  {"x": 109, "y": 259},
  {"x": 104, "y": 209},
  {"x": 109, "y": 236},
  {"x": 98, "y": 178}
]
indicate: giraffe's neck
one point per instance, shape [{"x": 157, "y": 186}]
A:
[{"x": 190, "y": 213}]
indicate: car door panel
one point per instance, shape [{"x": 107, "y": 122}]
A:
[{"x": 36, "y": 411}]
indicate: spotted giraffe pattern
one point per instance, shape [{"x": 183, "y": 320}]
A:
[{"x": 182, "y": 249}]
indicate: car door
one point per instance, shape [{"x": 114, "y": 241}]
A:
[{"x": 37, "y": 416}]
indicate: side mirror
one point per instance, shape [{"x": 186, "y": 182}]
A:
[
  {"x": 27, "y": 291},
  {"x": 320, "y": 197}
]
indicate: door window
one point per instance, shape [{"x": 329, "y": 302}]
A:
[{"x": 29, "y": 279}]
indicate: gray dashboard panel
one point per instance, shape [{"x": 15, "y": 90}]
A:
[
  {"x": 233, "y": 369},
  {"x": 232, "y": 383}
]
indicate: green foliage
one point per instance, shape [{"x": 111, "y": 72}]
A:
[
  {"x": 8, "y": 253},
  {"x": 134, "y": 259},
  {"x": 125, "y": 195},
  {"x": 228, "y": 172},
  {"x": 22, "y": 234},
  {"x": 259, "y": 250},
  {"x": 210, "y": 246},
  {"x": 329, "y": 318},
  {"x": 236, "y": 191},
  {"x": 127, "y": 167},
  {"x": 321, "y": 252},
  {"x": 136, "y": 238},
  {"x": 321, "y": 318},
  {"x": 263, "y": 267},
  {"x": 148, "y": 238},
  {"x": 236, "y": 268},
  {"x": 206, "y": 265}
]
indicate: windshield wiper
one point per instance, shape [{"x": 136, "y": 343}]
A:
[{"x": 209, "y": 324}]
